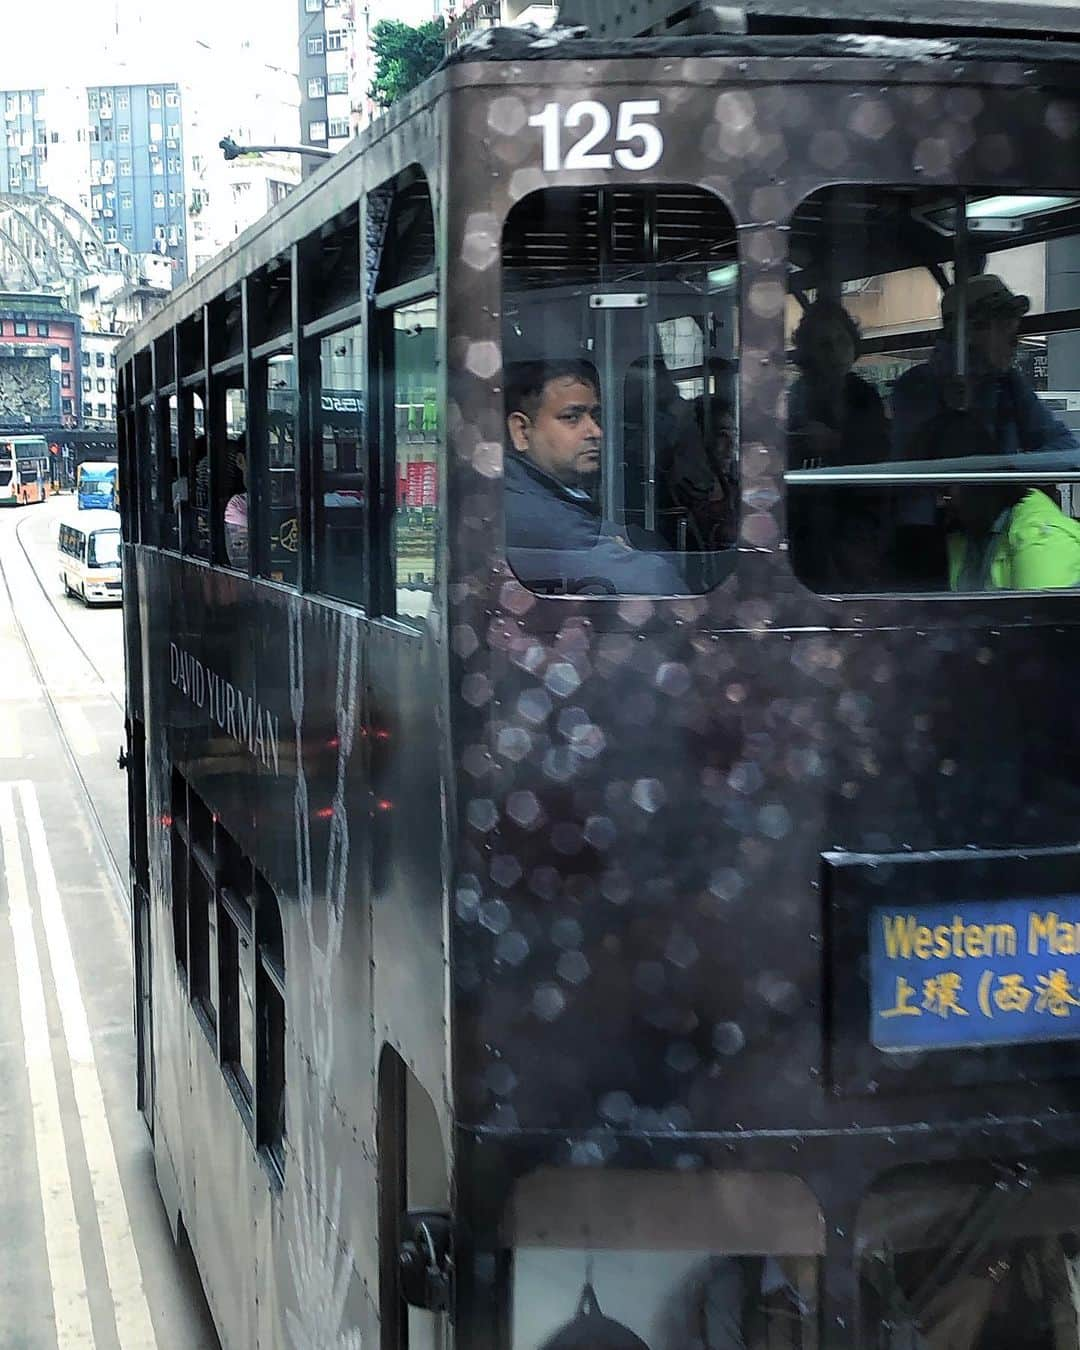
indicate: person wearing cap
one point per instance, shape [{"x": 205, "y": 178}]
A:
[
  {"x": 992, "y": 409},
  {"x": 938, "y": 413}
]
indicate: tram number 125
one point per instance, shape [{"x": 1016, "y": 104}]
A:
[{"x": 630, "y": 130}]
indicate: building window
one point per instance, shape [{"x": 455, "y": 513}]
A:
[
  {"x": 65, "y": 355},
  {"x": 335, "y": 40},
  {"x": 174, "y": 163},
  {"x": 127, "y": 234},
  {"x": 316, "y": 87},
  {"x": 92, "y": 99},
  {"x": 125, "y": 168},
  {"x": 159, "y": 201},
  {"x": 102, "y": 411},
  {"x": 112, "y": 360},
  {"x": 65, "y": 380},
  {"x": 101, "y": 386},
  {"x": 153, "y": 98},
  {"x": 337, "y": 84},
  {"x": 312, "y": 6},
  {"x": 315, "y": 46},
  {"x": 172, "y": 99},
  {"x": 124, "y": 135},
  {"x": 125, "y": 201},
  {"x": 87, "y": 385},
  {"x": 43, "y": 330},
  {"x": 157, "y": 167},
  {"x": 85, "y": 359},
  {"x": 339, "y": 126},
  {"x": 67, "y": 407},
  {"x": 122, "y": 101},
  {"x": 317, "y": 131},
  {"x": 21, "y": 329},
  {"x": 110, "y": 234}
]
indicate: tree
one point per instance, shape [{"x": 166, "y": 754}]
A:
[{"x": 403, "y": 56}]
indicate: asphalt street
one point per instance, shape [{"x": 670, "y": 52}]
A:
[{"x": 89, "y": 1258}]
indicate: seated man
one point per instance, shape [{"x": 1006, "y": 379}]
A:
[
  {"x": 555, "y": 536},
  {"x": 990, "y": 410}
]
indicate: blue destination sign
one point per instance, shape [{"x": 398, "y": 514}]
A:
[{"x": 993, "y": 972}]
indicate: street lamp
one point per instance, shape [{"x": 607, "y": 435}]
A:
[{"x": 231, "y": 150}]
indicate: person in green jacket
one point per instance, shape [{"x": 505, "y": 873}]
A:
[{"x": 1013, "y": 538}]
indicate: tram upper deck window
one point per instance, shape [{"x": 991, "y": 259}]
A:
[
  {"x": 933, "y": 419},
  {"x": 653, "y": 1259},
  {"x": 620, "y": 343}
]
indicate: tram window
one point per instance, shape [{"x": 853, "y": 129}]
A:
[
  {"x": 417, "y": 440},
  {"x": 270, "y": 1024},
  {"x": 190, "y": 352},
  {"x": 620, "y": 350},
  {"x": 180, "y": 870},
  {"x": 147, "y": 432},
  {"x": 225, "y": 326},
  {"x": 979, "y": 1254},
  {"x": 236, "y": 960},
  {"x": 270, "y": 300},
  {"x": 673, "y": 1259},
  {"x": 175, "y": 480},
  {"x": 196, "y": 511},
  {"x": 227, "y": 446},
  {"x": 331, "y": 275},
  {"x": 277, "y": 541},
  {"x": 202, "y": 914},
  {"x": 341, "y": 468},
  {"x": 933, "y": 423}
]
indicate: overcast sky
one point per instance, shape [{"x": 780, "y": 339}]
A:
[{"x": 85, "y": 41}]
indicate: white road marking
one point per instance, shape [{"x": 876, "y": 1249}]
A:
[
  {"x": 71, "y": 1308},
  {"x": 11, "y": 746},
  {"x": 134, "y": 1328},
  {"x": 77, "y": 728}
]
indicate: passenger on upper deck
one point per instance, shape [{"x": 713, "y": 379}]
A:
[
  {"x": 236, "y": 507},
  {"x": 555, "y": 535},
  {"x": 1011, "y": 537},
  {"x": 938, "y": 413},
  {"x": 834, "y": 416}
]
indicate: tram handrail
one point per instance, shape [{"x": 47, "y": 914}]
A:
[{"x": 1036, "y": 466}]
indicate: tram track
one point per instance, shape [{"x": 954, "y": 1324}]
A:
[
  {"x": 51, "y": 600},
  {"x": 116, "y": 868}
]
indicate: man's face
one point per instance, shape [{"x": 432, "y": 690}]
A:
[
  {"x": 563, "y": 436},
  {"x": 994, "y": 339}
]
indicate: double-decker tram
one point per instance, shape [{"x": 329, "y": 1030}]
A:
[
  {"x": 602, "y": 605},
  {"x": 24, "y": 470}
]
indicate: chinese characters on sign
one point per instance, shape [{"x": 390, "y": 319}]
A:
[{"x": 975, "y": 973}]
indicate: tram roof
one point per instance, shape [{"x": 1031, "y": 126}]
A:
[
  {"x": 989, "y": 40},
  {"x": 897, "y": 18}
]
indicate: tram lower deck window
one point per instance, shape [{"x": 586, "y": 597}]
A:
[
  {"x": 934, "y": 396},
  {"x": 631, "y": 1259},
  {"x": 973, "y": 1254},
  {"x": 620, "y": 355}
]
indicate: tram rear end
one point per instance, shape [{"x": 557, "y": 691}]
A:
[{"x": 765, "y": 913}]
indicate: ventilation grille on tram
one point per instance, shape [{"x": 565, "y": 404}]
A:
[{"x": 568, "y": 232}]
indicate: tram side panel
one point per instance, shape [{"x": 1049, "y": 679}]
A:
[
  {"x": 254, "y": 725},
  {"x": 642, "y": 937}
]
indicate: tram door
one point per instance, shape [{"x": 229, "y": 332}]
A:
[
  {"x": 414, "y": 1206},
  {"x": 140, "y": 917}
]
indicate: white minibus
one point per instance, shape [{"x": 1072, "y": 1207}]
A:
[{"x": 89, "y": 552}]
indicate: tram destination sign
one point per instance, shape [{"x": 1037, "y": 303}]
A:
[{"x": 995, "y": 972}]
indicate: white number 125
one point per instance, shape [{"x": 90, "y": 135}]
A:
[{"x": 597, "y": 119}]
